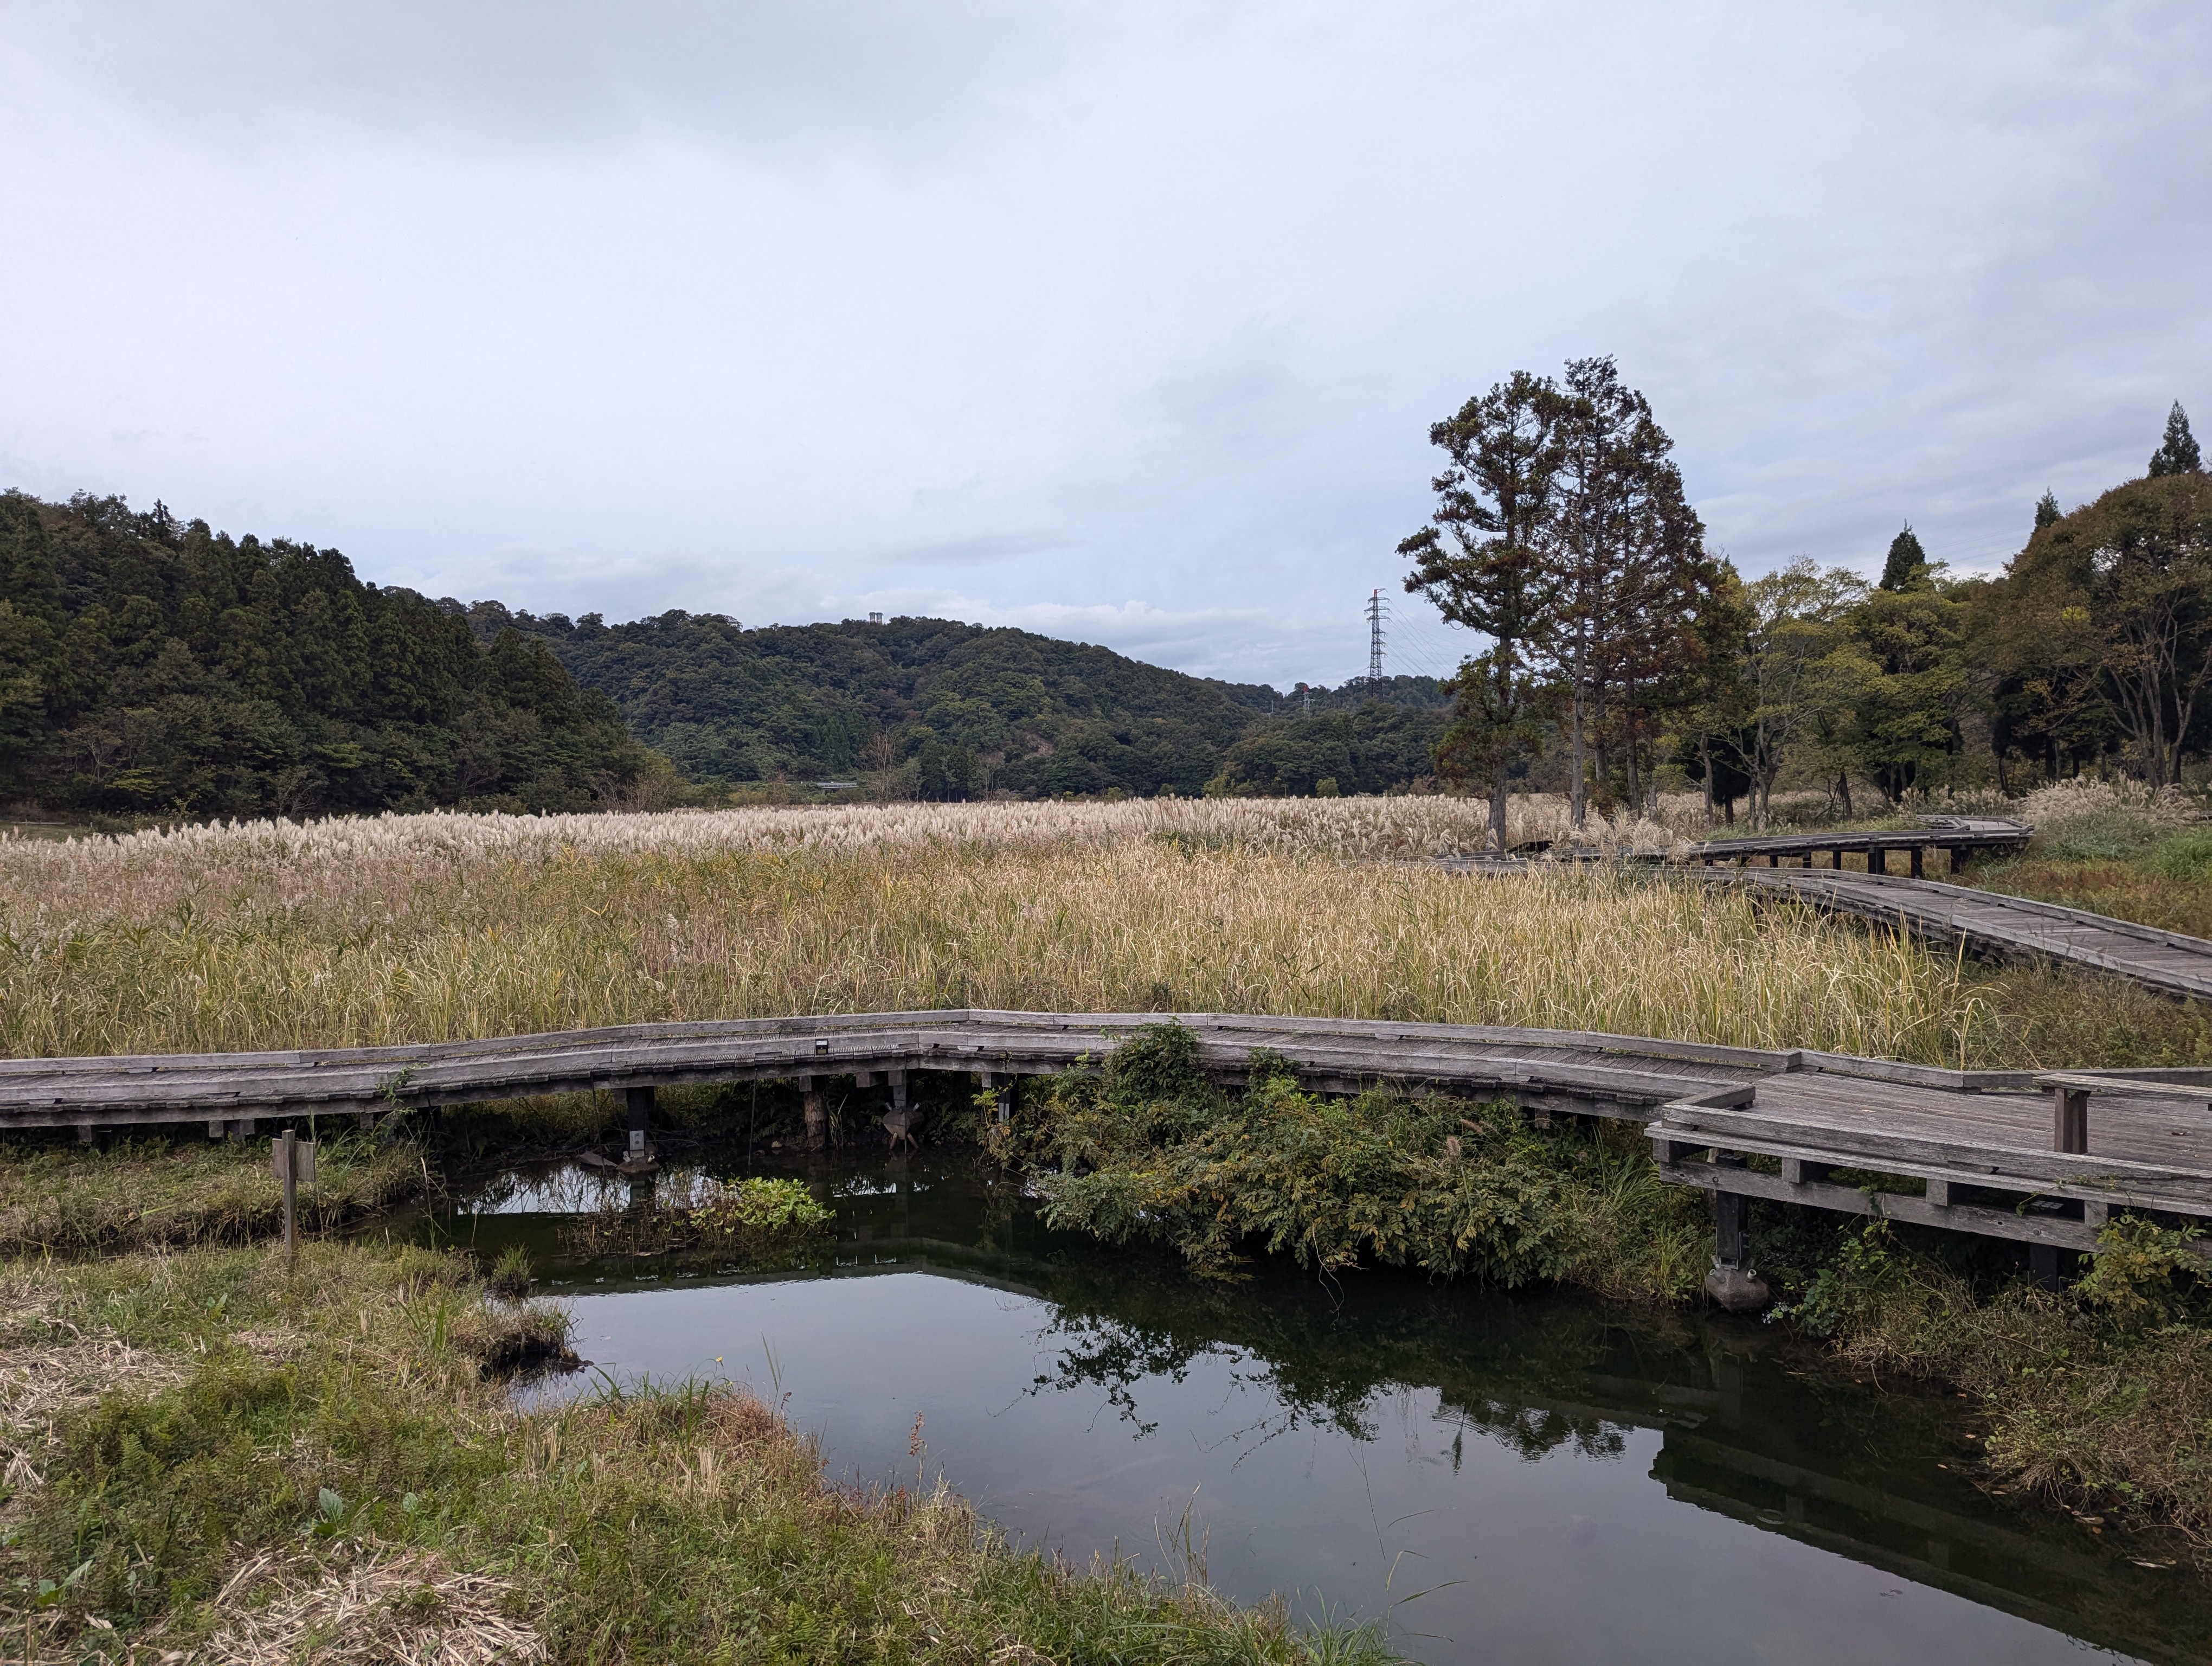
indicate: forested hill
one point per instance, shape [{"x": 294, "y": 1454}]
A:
[
  {"x": 950, "y": 708},
  {"x": 153, "y": 667}
]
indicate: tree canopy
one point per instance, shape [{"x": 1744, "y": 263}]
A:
[{"x": 154, "y": 667}]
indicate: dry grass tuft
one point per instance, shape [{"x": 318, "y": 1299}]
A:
[
  {"x": 388, "y": 1607},
  {"x": 50, "y": 1368}
]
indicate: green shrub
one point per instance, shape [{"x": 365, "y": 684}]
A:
[
  {"x": 756, "y": 1215},
  {"x": 1149, "y": 1149}
]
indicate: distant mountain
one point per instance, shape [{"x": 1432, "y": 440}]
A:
[{"x": 952, "y": 709}]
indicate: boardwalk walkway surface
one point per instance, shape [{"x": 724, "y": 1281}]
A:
[
  {"x": 2038, "y": 1157},
  {"x": 1989, "y": 922}
]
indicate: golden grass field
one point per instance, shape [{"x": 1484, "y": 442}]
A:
[{"x": 410, "y": 929}]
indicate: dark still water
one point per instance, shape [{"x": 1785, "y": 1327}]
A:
[{"x": 1516, "y": 1478}]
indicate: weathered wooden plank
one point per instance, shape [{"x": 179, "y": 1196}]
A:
[
  {"x": 2140, "y": 1184},
  {"x": 2058, "y": 1232}
]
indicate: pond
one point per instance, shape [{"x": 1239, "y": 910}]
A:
[{"x": 1495, "y": 1477}]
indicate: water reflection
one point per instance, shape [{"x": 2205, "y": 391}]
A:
[{"x": 1521, "y": 1478}]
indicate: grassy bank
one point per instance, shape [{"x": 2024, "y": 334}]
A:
[
  {"x": 170, "y": 1193},
  {"x": 205, "y": 1456},
  {"x": 437, "y": 927},
  {"x": 2098, "y": 1396}
]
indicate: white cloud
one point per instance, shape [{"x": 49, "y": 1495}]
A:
[{"x": 1141, "y": 311}]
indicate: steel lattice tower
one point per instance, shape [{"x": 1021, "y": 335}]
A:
[{"x": 1377, "y": 612}]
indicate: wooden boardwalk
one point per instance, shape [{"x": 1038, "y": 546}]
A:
[
  {"x": 2007, "y": 927},
  {"x": 2039, "y": 1159},
  {"x": 1988, "y": 922},
  {"x": 1961, "y": 838}
]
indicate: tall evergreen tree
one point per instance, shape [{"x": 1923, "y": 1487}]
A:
[
  {"x": 2176, "y": 453},
  {"x": 1494, "y": 503},
  {"x": 1907, "y": 566},
  {"x": 2046, "y": 511},
  {"x": 1632, "y": 574}
]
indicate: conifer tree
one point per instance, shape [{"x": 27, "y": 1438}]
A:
[
  {"x": 2046, "y": 511},
  {"x": 2176, "y": 453},
  {"x": 1907, "y": 566},
  {"x": 1493, "y": 502}
]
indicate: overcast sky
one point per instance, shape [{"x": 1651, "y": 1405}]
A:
[{"x": 1122, "y": 322}]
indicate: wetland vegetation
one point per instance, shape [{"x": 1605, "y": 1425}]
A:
[{"x": 423, "y": 927}]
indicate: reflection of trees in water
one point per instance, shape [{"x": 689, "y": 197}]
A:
[
  {"x": 1537, "y": 1431},
  {"x": 1498, "y": 1363}
]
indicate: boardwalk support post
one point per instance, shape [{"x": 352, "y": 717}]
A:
[
  {"x": 1736, "y": 1287},
  {"x": 2043, "y": 1265},
  {"x": 638, "y": 1103},
  {"x": 818, "y": 1113}
]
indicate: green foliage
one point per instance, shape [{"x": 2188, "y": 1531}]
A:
[
  {"x": 2100, "y": 633},
  {"x": 1369, "y": 749},
  {"x": 2185, "y": 856},
  {"x": 914, "y": 708},
  {"x": 757, "y": 1214},
  {"x": 2141, "y": 1271},
  {"x": 1149, "y": 1149},
  {"x": 152, "y": 668},
  {"x": 2099, "y": 1394},
  {"x": 1866, "y": 1272},
  {"x": 1906, "y": 567}
]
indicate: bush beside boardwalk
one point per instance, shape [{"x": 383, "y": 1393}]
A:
[{"x": 205, "y": 1455}]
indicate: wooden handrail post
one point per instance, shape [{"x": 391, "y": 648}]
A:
[
  {"x": 288, "y": 1160},
  {"x": 2070, "y": 1119}
]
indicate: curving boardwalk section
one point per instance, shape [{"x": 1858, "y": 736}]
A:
[
  {"x": 2039, "y": 1158},
  {"x": 2007, "y": 927}
]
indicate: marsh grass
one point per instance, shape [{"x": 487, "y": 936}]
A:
[
  {"x": 145, "y": 1193},
  {"x": 2115, "y": 848},
  {"x": 439, "y": 928},
  {"x": 2098, "y": 1396},
  {"x": 279, "y": 1454}
]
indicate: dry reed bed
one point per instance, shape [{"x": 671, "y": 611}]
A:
[
  {"x": 143, "y": 875},
  {"x": 436, "y": 927}
]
